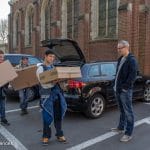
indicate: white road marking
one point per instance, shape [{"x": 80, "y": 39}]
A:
[
  {"x": 147, "y": 103},
  {"x": 11, "y": 138},
  {"x": 104, "y": 136},
  {"x": 15, "y": 110}
]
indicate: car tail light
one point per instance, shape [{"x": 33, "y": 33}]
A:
[{"x": 75, "y": 84}]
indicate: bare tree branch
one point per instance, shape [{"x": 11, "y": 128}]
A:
[{"x": 3, "y": 30}]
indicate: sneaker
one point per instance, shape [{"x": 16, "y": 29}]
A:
[
  {"x": 45, "y": 141},
  {"x": 61, "y": 139},
  {"x": 125, "y": 138},
  {"x": 5, "y": 122},
  {"x": 24, "y": 112},
  {"x": 117, "y": 130}
]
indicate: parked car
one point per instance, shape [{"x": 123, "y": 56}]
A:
[
  {"x": 94, "y": 91},
  {"x": 15, "y": 60}
]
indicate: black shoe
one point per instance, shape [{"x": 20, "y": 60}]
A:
[
  {"x": 24, "y": 112},
  {"x": 5, "y": 122}
]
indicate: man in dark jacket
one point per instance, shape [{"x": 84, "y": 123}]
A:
[
  {"x": 2, "y": 97},
  {"x": 123, "y": 87}
]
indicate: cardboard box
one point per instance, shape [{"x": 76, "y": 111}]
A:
[
  {"x": 7, "y": 73},
  {"x": 60, "y": 73},
  {"x": 26, "y": 78}
]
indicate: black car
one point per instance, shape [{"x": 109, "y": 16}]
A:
[
  {"x": 94, "y": 91},
  {"x": 15, "y": 60}
]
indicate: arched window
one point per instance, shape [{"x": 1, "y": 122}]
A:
[
  {"x": 46, "y": 20},
  {"x": 104, "y": 18},
  {"x": 70, "y": 15},
  {"x": 16, "y": 30},
  {"x": 29, "y": 24},
  {"x": 107, "y": 18}
]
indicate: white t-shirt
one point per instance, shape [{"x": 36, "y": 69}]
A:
[{"x": 47, "y": 85}]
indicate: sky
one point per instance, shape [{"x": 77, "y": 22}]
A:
[{"x": 4, "y": 9}]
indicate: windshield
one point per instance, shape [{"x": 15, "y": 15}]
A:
[{"x": 15, "y": 60}]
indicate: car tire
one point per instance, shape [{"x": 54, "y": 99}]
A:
[
  {"x": 95, "y": 106},
  {"x": 31, "y": 94},
  {"x": 147, "y": 94}
]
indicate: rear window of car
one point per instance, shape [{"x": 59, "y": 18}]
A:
[{"x": 108, "y": 69}]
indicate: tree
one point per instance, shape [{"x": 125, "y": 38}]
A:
[{"x": 3, "y": 30}]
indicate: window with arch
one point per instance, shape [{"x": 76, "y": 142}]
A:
[
  {"x": 107, "y": 18},
  {"x": 29, "y": 24},
  {"x": 72, "y": 18},
  {"x": 46, "y": 20},
  {"x": 104, "y": 19}
]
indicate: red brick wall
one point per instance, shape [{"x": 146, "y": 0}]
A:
[{"x": 133, "y": 26}]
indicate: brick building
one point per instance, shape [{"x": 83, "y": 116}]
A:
[{"x": 97, "y": 25}]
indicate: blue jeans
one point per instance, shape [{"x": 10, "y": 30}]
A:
[
  {"x": 126, "y": 121},
  {"x": 2, "y": 108},
  {"x": 57, "y": 122},
  {"x": 23, "y": 95}
]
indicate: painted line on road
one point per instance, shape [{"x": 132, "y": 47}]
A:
[
  {"x": 147, "y": 103},
  {"x": 104, "y": 136},
  {"x": 15, "y": 110},
  {"x": 11, "y": 138}
]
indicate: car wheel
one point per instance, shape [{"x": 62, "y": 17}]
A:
[
  {"x": 147, "y": 94},
  {"x": 96, "y": 106},
  {"x": 31, "y": 94}
]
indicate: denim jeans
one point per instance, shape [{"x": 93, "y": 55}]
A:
[
  {"x": 126, "y": 121},
  {"x": 57, "y": 122},
  {"x": 2, "y": 108},
  {"x": 23, "y": 95}
]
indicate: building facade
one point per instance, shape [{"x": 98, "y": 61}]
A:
[{"x": 96, "y": 25}]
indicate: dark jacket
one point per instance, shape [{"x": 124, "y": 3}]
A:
[{"x": 127, "y": 74}]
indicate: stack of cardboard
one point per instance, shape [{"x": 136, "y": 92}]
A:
[
  {"x": 7, "y": 73},
  {"x": 26, "y": 78},
  {"x": 60, "y": 73}
]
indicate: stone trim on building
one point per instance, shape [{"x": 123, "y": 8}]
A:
[
  {"x": 15, "y": 32},
  {"x": 94, "y": 19},
  {"x": 64, "y": 19}
]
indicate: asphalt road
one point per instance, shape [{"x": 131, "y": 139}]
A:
[{"x": 25, "y": 132}]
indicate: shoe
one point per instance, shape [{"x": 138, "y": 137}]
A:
[
  {"x": 5, "y": 122},
  {"x": 117, "y": 130},
  {"x": 24, "y": 112},
  {"x": 61, "y": 139},
  {"x": 125, "y": 138},
  {"x": 45, "y": 141}
]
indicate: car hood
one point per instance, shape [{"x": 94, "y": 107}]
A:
[{"x": 66, "y": 50}]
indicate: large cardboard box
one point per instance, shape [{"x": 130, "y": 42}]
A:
[
  {"x": 26, "y": 78},
  {"x": 59, "y": 73},
  {"x": 7, "y": 73}
]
